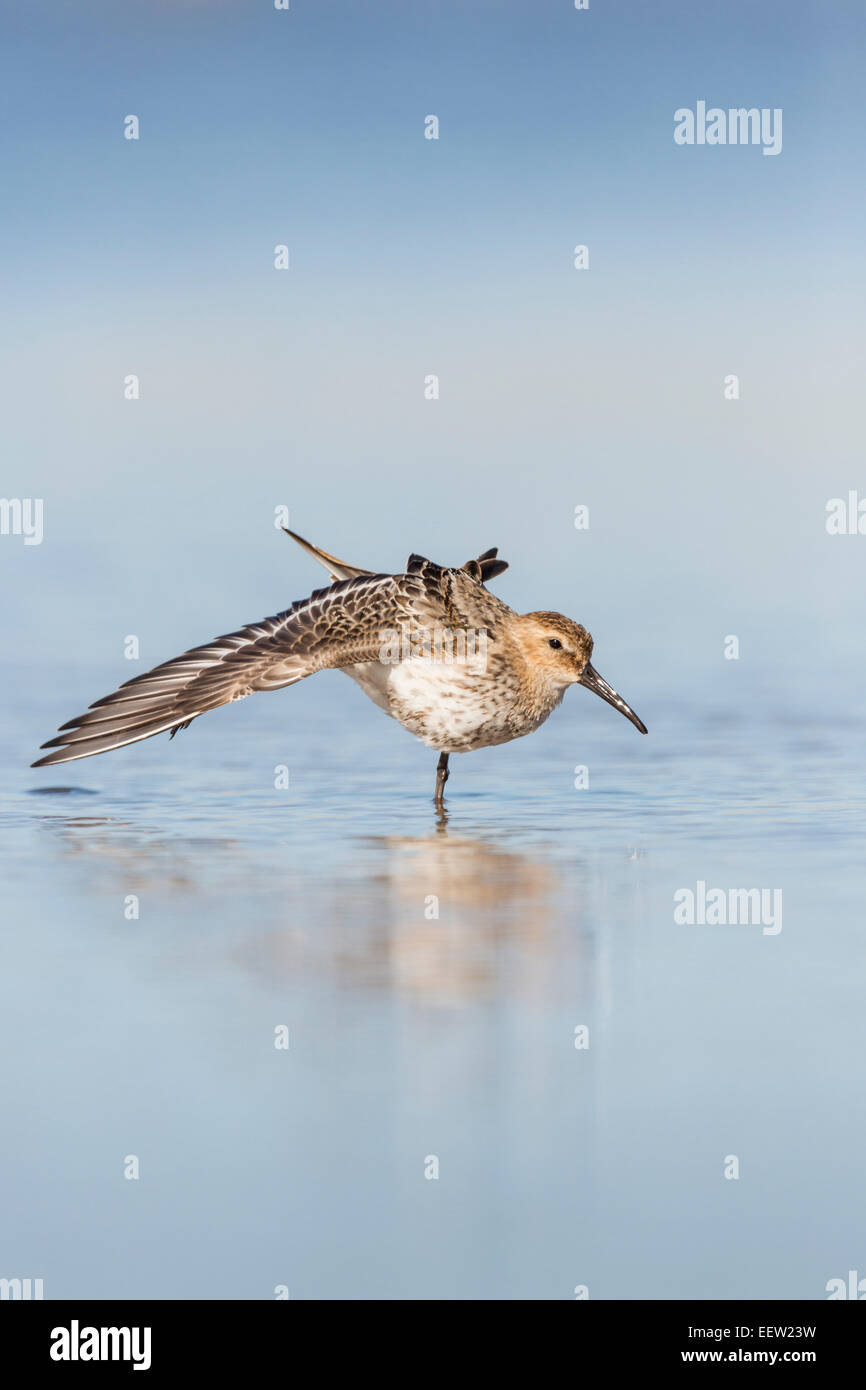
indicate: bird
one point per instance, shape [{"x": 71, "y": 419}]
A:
[{"x": 432, "y": 646}]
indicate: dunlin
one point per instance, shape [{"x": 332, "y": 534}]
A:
[{"x": 433, "y": 647}]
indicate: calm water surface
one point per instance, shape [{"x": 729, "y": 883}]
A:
[{"x": 413, "y": 1036}]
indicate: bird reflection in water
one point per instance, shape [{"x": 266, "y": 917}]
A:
[{"x": 444, "y": 918}]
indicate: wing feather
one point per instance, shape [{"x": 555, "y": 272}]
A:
[{"x": 335, "y": 626}]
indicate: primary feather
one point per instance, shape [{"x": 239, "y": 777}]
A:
[{"x": 331, "y": 626}]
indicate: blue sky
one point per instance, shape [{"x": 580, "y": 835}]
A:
[{"x": 452, "y": 257}]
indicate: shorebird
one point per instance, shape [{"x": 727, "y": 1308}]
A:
[{"x": 432, "y": 646}]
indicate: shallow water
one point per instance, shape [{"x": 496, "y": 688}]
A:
[{"x": 413, "y": 1036}]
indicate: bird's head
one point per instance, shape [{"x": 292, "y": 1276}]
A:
[{"x": 559, "y": 650}]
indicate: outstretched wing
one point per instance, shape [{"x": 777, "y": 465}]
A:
[
  {"x": 487, "y": 566},
  {"x": 333, "y": 627}
]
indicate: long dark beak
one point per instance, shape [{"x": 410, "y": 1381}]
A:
[{"x": 599, "y": 686}]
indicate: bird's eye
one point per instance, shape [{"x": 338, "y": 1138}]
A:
[{"x": 555, "y": 643}]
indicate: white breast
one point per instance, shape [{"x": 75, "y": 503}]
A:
[{"x": 450, "y": 708}]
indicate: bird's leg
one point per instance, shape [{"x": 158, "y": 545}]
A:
[{"x": 441, "y": 778}]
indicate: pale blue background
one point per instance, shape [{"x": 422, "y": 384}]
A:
[{"x": 305, "y": 388}]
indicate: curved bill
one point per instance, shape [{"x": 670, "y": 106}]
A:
[{"x": 599, "y": 686}]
